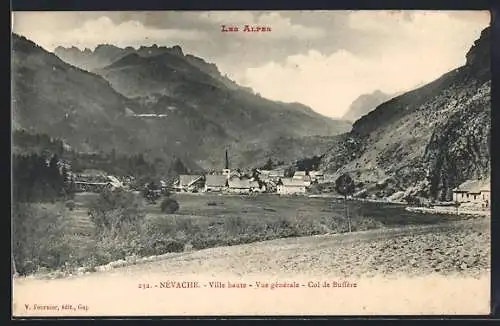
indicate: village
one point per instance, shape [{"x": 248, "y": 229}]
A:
[
  {"x": 472, "y": 194},
  {"x": 225, "y": 181}
]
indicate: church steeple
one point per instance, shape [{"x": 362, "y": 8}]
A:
[{"x": 226, "y": 171}]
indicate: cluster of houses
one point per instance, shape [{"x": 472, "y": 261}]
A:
[
  {"x": 470, "y": 193},
  {"x": 268, "y": 181}
]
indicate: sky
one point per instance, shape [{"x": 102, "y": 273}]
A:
[{"x": 323, "y": 59}]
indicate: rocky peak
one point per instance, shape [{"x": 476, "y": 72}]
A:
[
  {"x": 177, "y": 50},
  {"x": 479, "y": 53}
]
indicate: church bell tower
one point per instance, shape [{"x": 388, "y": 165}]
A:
[{"x": 226, "y": 171}]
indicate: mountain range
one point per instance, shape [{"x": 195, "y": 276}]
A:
[
  {"x": 428, "y": 140},
  {"x": 163, "y": 103},
  {"x": 156, "y": 101}
]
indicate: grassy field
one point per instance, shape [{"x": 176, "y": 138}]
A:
[
  {"x": 213, "y": 208},
  {"x": 212, "y": 220},
  {"x": 267, "y": 208}
]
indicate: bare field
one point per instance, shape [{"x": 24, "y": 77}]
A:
[{"x": 451, "y": 248}]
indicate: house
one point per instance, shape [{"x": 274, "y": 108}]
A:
[
  {"x": 215, "y": 183},
  {"x": 317, "y": 176},
  {"x": 95, "y": 181},
  {"x": 85, "y": 186},
  {"x": 299, "y": 175},
  {"x": 264, "y": 175},
  {"x": 289, "y": 186},
  {"x": 303, "y": 176},
  {"x": 243, "y": 186},
  {"x": 63, "y": 165},
  {"x": 276, "y": 174},
  {"x": 115, "y": 182},
  {"x": 476, "y": 192},
  {"x": 189, "y": 183},
  {"x": 163, "y": 185}
]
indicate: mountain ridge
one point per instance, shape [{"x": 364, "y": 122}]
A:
[
  {"x": 418, "y": 140},
  {"x": 195, "y": 119},
  {"x": 365, "y": 103}
]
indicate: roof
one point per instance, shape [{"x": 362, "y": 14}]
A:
[
  {"x": 278, "y": 173},
  {"x": 474, "y": 186},
  {"x": 290, "y": 182},
  {"x": 242, "y": 183},
  {"x": 114, "y": 181},
  {"x": 299, "y": 173},
  {"x": 216, "y": 180},
  {"x": 188, "y": 179},
  {"x": 92, "y": 183},
  {"x": 93, "y": 172}
]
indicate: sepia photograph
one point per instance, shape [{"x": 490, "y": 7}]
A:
[{"x": 252, "y": 163}]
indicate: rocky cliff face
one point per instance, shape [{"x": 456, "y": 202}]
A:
[{"x": 432, "y": 138}]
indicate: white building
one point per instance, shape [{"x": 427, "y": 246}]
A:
[
  {"x": 317, "y": 176},
  {"x": 299, "y": 175},
  {"x": 476, "y": 192},
  {"x": 243, "y": 186},
  {"x": 215, "y": 183},
  {"x": 289, "y": 186},
  {"x": 302, "y": 176}
]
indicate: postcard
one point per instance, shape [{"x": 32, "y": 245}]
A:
[{"x": 255, "y": 163}]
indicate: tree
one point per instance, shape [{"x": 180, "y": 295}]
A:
[
  {"x": 169, "y": 205},
  {"x": 345, "y": 186},
  {"x": 289, "y": 172},
  {"x": 456, "y": 203},
  {"x": 269, "y": 164},
  {"x": 152, "y": 192},
  {"x": 178, "y": 167}
]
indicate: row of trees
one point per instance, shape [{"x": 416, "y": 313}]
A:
[
  {"x": 143, "y": 169},
  {"x": 25, "y": 142},
  {"x": 38, "y": 178}
]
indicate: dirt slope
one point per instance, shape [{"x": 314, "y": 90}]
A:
[{"x": 451, "y": 259}]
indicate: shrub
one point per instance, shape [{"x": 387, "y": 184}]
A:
[
  {"x": 40, "y": 237},
  {"x": 233, "y": 224},
  {"x": 169, "y": 205},
  {"x": 186, "y": 225},
  {"x": 362, "y": 223},
  {"x": 151, "y": 195},
  {"x": 158, "y": 224},
  {"x": 115, "y": 210},
  {"x": 70, "y": 204},
  {"x": 162, "y": 246}
]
